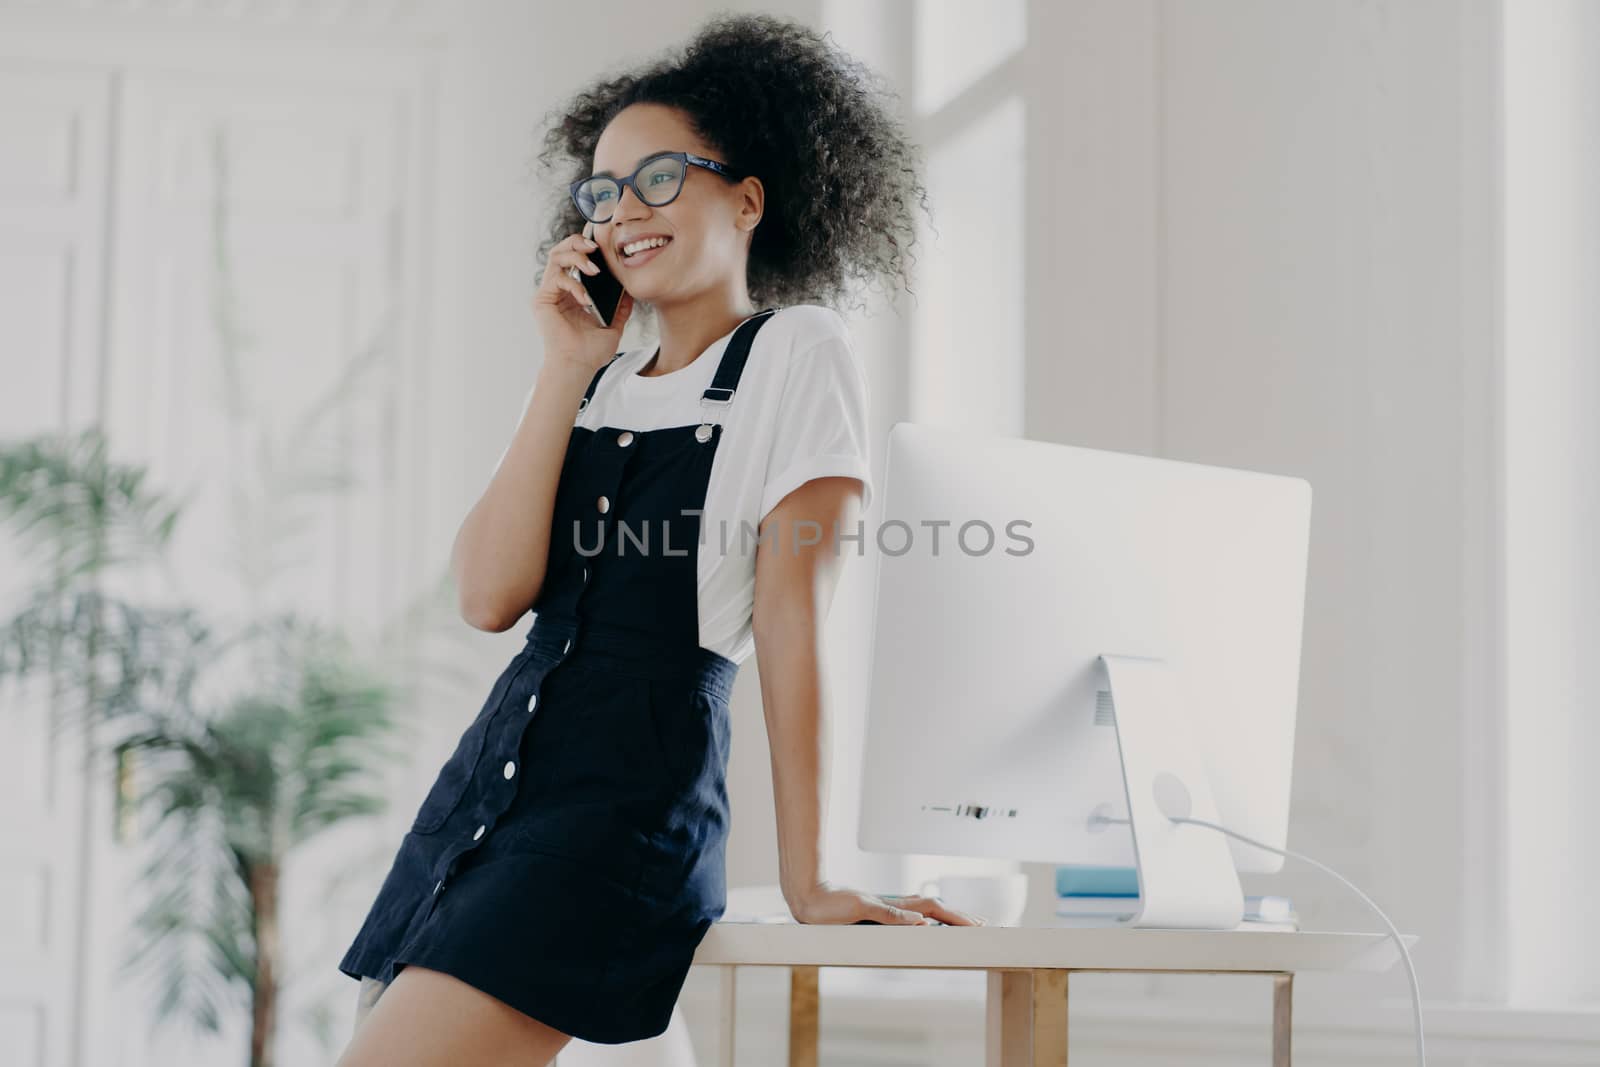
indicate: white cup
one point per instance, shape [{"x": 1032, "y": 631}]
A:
[{"x": 999, "y": 899}]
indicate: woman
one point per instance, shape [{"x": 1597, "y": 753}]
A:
[{"x": 569, "y": 859}]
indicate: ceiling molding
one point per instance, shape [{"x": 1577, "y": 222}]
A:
[{"x": 386, "y": 18}]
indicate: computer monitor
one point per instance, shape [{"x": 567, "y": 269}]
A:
[{"x": 1016, "y": 581}]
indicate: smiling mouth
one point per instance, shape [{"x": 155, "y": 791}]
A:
[{"x": 644, "y": 254}]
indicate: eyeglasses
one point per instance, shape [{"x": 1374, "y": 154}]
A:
[{"x": 657, "y": 182}]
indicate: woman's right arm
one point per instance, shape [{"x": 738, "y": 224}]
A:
[{"x": 500, "y": 552}]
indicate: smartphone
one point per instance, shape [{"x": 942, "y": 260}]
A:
[{"x": 604, "y": 289}]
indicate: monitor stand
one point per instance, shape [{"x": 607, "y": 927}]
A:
[{"x": 1186, "y": 875}]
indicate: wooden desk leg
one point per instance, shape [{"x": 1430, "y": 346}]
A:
[
  {"x": 803, "y": 997},
  {"x": 1282, "y": 1011},
  {"x": 1026, "y": 1019},
  {"x": 1008, "y": 1013},
  {"x": 725, "y": 1022},
  {"x": 1049, "y": 1018}
]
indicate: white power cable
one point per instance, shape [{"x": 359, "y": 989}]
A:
[{"x": 1416, "y": 992}]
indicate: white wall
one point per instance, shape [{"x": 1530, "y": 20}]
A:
[{"x": 1552, "y": 513}]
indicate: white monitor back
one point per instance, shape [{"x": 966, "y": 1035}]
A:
[{"x": 987, "y": 733}]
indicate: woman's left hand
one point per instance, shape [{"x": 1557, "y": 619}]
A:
[{"x": 827, "y": 903}]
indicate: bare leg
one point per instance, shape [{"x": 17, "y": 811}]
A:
[{"x": 426, "y": 1018}]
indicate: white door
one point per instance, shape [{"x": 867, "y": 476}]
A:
[
  {"x": 53, "y": 184},
  {"x": 117, "y": 146}
]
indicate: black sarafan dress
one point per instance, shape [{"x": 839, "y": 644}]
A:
[{"x": 570, "y": 856}]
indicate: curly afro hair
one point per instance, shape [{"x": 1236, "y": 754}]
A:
[{"x": 782, "y": 102}]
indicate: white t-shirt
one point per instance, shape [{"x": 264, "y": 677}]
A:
[{"x": 800, "y": 412}]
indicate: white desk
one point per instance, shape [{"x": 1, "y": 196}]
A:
[{"x": 1028, "y": 969}]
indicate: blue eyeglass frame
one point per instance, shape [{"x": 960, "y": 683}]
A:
[{"x": 688, "y": 159}]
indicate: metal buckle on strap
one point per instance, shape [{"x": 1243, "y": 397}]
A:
[{"x": 714, "y": 400}]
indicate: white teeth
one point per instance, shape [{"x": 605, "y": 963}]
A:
[{"x": 649, "y": 242}]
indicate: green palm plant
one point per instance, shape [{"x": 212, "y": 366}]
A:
[
  {"x": 234, "y": 742},
  {"x": 232, "y": 782}
]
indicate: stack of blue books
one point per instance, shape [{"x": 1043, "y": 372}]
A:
[{"x": 1113, "y": 893}]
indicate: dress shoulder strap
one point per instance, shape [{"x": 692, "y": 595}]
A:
[
  {"x": 726, "y": 379},
  {"x": 595, "y": 381}
]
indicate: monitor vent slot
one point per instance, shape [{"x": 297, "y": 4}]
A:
[{"x": 1105, "y": 713}]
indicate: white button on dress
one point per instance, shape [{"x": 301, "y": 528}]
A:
[{"x": 511, "y": 768}]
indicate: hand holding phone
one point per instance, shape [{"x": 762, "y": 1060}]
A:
[
  {"x": 603, "y": 287},
  {"x": 575, "y": 324}
]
